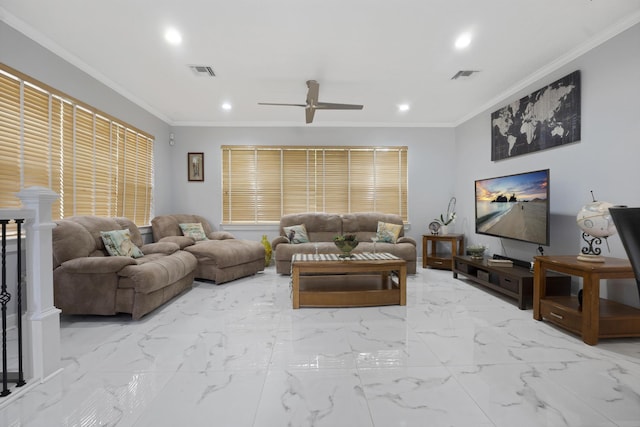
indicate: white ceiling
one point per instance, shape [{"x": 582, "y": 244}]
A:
[{"x": 371, "y": 52}]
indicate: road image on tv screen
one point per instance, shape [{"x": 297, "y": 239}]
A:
[{"x": 514, "y": 206}]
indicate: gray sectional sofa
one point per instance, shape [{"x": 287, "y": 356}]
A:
[{"x": 323, "y": 227}]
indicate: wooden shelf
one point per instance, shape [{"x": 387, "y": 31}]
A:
[
  {"x": 348, "y": 291},
  {"x": 430, "y": 256},
  {"x": 515, "y": 282},
  {"x": 347, "y": 283},
  {"x": 598, "y": 317},
  {"x": 616, "y": 320}
]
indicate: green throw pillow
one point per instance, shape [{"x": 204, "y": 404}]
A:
[
  {"x": 193, "y": 230},
  {"x": 388, "y": 232},
  {"x": 296, "y": 234},
  {"x": 118, "y": 243}
]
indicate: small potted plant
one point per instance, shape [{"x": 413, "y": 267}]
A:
[
  {"x": 476, "y": 251},
  {"x": 346, "y": 243},
  {"x": 447, "y": 218}
]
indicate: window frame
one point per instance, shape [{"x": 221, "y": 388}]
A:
[{"x": 261, "y": 183}]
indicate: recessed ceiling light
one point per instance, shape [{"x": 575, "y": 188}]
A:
[
  {"x": 463, "y": 41},
  {"x": 172, "y": 36},
  {"x": 226, "y": 106},
  {"x": 403, "y": 107}
]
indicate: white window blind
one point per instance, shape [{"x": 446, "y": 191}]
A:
[
  {"x": 98, "y": 165},
  {"x": 262, "y": 183}
]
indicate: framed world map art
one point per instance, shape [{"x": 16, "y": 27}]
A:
[{"x": 549, "y": 117}]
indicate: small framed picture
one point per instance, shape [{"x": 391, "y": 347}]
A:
[{"x": 195, "y": 166}]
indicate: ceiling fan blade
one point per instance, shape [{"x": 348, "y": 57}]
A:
[
  {"x": 286, "y": 105},
  {"x": 334, "y": 106},
  {"x": 312, "y": 103},
  {"x": 309, "y": 112},
  {"x": 312, "y": 93}
]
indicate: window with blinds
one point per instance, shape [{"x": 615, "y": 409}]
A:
[
  {"x": 260, "y": 184},
  {"x": 97, "y": 164}
]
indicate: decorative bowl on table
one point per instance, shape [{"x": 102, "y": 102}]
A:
[
  {"x": 476, "y": 251},
  {"x": 346, "y": 243}
]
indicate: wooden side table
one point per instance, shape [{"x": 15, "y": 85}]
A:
[
  {"x": 598, "y": 317},
  {"x": 432, "y": 259}
]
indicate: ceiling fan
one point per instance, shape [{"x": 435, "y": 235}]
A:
[{"x": 313, "y": 104}]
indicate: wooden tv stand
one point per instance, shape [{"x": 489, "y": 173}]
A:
[{"x": 515, "y": 282}]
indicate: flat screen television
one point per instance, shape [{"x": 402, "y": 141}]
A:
[{"x": 514, "y": 206}]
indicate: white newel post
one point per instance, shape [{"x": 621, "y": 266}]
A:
[{"x": 42, "y": 319}]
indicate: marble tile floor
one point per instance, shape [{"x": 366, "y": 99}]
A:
[{"x": 238, "y": 355}]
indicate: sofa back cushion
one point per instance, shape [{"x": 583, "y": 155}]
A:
[
  {"x": 136, "y": 236},
  {"x": 169, "y": 225},
  {"x": 79, "y": 236},
  {"x": 321, "y": 227},
  {"x": 365, "y": 224},
  {"x": 70, "y": 240}
]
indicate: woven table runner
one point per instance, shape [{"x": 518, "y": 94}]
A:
[{"x": 364, "y": 256}]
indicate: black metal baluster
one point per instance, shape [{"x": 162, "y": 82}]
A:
[
  {"x": 4, "y": 300},
  {"x": 20, "y": 382}
]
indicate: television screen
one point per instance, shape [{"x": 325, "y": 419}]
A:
[{"x": 514, "y": 206}]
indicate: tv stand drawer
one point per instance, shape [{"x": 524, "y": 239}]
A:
[
  {"x": 509, "y": 283},
  {"x": 561, "y": 315}
]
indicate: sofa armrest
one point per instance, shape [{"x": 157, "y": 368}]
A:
[
  {"x": 220, "y": 235},
  {"x": 160, "y": 248},
  {"x": 181, "y": 241},
  {"x": 405, "y": 239},
  {"x": 100, "y": 265},
  {"x": 280, "y": 239}
]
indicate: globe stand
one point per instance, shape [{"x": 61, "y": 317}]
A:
[{"x": 591, "y": 253}]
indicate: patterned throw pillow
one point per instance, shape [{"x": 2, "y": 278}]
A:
[
  {"x": 388, "y": 232},
  {"x": 193, "y": 230},
  {"x": 118, "y": 243},
  {"x": 296, "y": 234}
]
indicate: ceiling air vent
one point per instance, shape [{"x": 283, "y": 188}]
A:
[
  {"x": 464, "y": 73},
  {"x": 202, "y": 70}
]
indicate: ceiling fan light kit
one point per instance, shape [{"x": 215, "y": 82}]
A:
[{"x": 313, "y": 104}]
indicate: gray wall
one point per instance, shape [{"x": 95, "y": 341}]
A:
[{"x": 605, "y": 160}]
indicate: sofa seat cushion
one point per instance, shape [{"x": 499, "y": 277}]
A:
[
  {"x": 97, "y": 264},
  {"x": 166, "y": 248},
  {"x": 156, "y": 271},
  {"x": 226, "y": 253}
]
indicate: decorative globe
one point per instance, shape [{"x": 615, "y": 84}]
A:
[{"x": 595, "y": 220}]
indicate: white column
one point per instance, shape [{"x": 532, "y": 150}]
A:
[{"x": 42, "y": 320}]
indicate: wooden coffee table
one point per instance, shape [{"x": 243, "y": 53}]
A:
[{"x": 365, "y": 279}]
